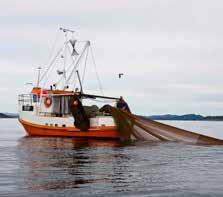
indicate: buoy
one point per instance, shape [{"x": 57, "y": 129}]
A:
[{"x": 48, "y": 102}]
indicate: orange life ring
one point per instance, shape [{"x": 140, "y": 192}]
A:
[{"x": 48, "y": 102}]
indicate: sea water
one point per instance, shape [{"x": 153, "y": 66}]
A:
[{"x": 42, "y": 166}]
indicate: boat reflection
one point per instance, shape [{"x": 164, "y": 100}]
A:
[
  {"x": 66, "y": 142},
  {"x": 63, "y": 163}
]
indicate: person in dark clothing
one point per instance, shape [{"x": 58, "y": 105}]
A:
[
  {"x": 121, "y": 104},
  {"x": 81, "y": 120}
]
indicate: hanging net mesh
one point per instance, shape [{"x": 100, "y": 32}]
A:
[{"x": 132, "y": 127}]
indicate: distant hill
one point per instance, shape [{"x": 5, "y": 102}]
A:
[
  {"x": 8, "y": 115},
  {"x": 219, "y": 118},
  {"x": 176, "y": 117},
  {"x": 3, "y": 115},
  {"x": 185, "y": 117}
]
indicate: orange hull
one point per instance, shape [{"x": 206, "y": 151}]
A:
[{"x": 96, "y": 132}]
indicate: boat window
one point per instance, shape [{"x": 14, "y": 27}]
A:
[
  {"x": 34, "y": 98},
  {"x": 27, "y": 108},
  {"x": 60, "y": 105}
]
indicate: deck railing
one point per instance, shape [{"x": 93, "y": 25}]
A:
[{"x": 25, "y": 99}]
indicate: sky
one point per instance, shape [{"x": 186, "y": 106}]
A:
[{"x": 170, "y": 51}]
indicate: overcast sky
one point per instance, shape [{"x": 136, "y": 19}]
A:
[{"x": 170, "y": 50}]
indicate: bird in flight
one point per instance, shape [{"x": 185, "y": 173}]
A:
[{"x": 120, "y": 75}]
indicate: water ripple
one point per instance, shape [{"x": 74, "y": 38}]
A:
[{"x": 64, "y": 166}]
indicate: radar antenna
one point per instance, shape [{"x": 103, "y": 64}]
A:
[{"x": 66, "y": 30}]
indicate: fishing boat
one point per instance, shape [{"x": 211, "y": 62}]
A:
[
  {"x": 47, "y": 109},
  {"x": 57, "y": 106}
]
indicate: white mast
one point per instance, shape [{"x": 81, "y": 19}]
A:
[
  {"x": 66, "y": 31},
  {"x": 38, "y": 78},
  {"x": 87, "y": 44}
]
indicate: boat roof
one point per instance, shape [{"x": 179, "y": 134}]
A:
[{"x": 39, "y": 91}]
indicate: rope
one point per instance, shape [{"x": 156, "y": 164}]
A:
[
  {"x": 50, "y": 65},
  {"x": 54, "y": 45},
  {"x": 51, "y": 52},
  {"x": 64, "y": 62},
  {"x": 77, "y": 63},
  {"x": 69, "y": 67},
  {"x": 99, "y": 81}
]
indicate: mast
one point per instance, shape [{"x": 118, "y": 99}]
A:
[
  {"x": 79, "y": 79},
  {"x": 87, "y": 44},
  {"x": 70, "y": 71},
  {"x": 65, "y": 31},
  {"x": 38, "y": 78}
]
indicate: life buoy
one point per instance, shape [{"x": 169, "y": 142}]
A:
[{"x": 48, "y": 102}]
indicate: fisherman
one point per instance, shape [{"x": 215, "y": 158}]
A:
[{"x": 121, "y": 104}]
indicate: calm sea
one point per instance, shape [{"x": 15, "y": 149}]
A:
[{"x": 36, "y": 166}]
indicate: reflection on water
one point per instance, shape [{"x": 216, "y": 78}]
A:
[
  {"x": 42, "y": 166},
  {"x": 59, "y": 163}
]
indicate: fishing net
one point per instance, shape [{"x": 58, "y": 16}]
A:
[{"x": 132, "y": 127}]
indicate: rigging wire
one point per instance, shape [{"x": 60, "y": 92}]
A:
[
  {"x": 51, "y": 54},
  {"x": 54, "y": 45},
  {"x": 69, "y": 67},
  {"x": 97, "y": 75},
  {"x": 73, "y": 58},
  {"x": 64, "y": 64},
  {"x": 78, "y": 61},
  {"x": 65, "y": 61},
  {"x": 74, "y": 82},
  {"x": 51, "y": 63}
]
